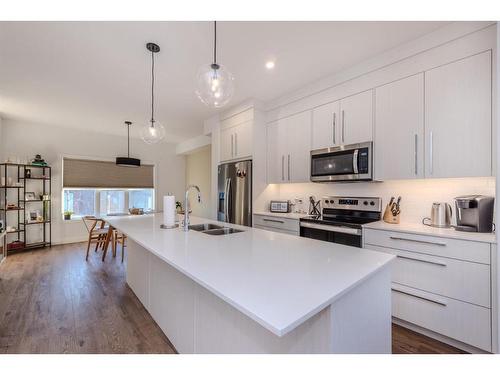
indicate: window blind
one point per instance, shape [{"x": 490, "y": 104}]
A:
[{"x": 81, "y": 173}]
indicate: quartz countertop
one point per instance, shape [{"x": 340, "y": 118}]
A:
[
  {"x": 286, "y": 215},
  {"x": 418, "y": 228},
  {"x": 280, "y": 281}
]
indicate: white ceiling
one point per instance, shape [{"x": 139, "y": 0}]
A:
[{"x": 95, "y": 75}]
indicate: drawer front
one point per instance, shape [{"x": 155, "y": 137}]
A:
[
  {"x": 277, "y": 230},
  {"x": 465, "y": 281},
  {"x": 277, "y": 222},
  {"x": 447, "y": 247},
  {"x": 461, "y": 321}
]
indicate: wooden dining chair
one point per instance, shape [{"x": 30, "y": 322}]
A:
[
  {"x": 119, "y": 238},
  {"x": 98, "y": 233}
]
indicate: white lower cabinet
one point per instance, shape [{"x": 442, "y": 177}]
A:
[
  {"x": 458, "y": 320},
  {"x": 440, "y": 284},
  {"x": 277, "y": 224}
]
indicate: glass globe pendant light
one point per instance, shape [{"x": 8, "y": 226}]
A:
[
  {"x": 153, "y": 131},
  {"x": 215, "y": 83}
]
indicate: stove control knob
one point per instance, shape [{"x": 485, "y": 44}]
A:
[
  {"x": 365, "y": 203},
  {"x": 372, "y": 203},
  {"x": 332, "y": 201}
]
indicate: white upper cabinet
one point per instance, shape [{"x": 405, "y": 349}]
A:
[
  {"x": 356, "y": 114},
  {"x": 458, "y": 128},
  {"x": 325, "y": 126},
  {"x": 243, "y": 140},
  {"x": 299, "y": 147},
  {"x": 275, "y": 153},
  {"x": 226, "y": 144},
  {"x": 399, "y": 129},
  {"x": 236, "y": 137},
  {"x": 288, "y": 147}
]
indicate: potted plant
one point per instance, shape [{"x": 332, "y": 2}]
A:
[{"x": 67, "y": 215}]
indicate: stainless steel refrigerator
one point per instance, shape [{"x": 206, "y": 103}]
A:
[{"x": 235, "y": 193}]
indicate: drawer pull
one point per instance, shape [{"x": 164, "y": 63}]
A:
[
  {"x": 422, "y": 260},
  {"x": 419, "y": 241},
  {"x": 440, "y": 303},
  {"x": 274, "y": 221}
]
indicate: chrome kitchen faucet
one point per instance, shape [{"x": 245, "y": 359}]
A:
[{"x": 185, "y": 222}]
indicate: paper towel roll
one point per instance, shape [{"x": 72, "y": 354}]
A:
[{"x": 169, "y": 210}]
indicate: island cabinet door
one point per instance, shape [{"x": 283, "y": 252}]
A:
[
  {"x": 172, "y": 304},
  {"x": 138, "y": 271}
]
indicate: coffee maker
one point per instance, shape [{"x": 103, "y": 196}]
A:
[{"x": 474, "y": 213}]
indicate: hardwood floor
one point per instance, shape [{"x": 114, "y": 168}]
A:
[
  {"x": 405, "y": 341},
  {"x": 52, "y": 301}
]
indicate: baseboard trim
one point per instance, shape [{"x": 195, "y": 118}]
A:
[{"x": 439, "y": 337}]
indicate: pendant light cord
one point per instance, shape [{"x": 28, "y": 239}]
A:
[
  {"x": 215, "y": 42},
  {"x": 152, "y": 88},
  {"x": 128, "y": 140}
]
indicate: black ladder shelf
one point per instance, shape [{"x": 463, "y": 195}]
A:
[{"x": 18, "y": 176}]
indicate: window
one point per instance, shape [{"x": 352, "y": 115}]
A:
[
  {"x": 106, "y": 201},
  {"x": 141, "y": 198},
  {"x": 112, "y": 201},
  {"x": 79, "y": 201}
]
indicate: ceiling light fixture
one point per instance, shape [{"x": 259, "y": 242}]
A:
[
  {"x": 128, "y": 161},
  {"x": 152, "y": 132},
  {"x": 270, "y": 65},
  {"x": 215, "y": 83}
]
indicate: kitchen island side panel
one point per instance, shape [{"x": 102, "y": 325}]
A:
[{"x": 197, "y": 321}]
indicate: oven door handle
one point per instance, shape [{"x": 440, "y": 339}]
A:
[{"x": 331, "y": 228}]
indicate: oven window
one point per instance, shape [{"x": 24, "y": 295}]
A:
[{"x": 337, "y": 163}]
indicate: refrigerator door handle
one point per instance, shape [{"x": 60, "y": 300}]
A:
[{"x": 227, "y": 190}]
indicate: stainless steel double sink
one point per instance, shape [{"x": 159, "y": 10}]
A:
[{"x": 213, "y": 229}]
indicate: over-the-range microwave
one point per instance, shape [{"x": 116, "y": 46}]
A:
[{"x": 343, "y": 163}]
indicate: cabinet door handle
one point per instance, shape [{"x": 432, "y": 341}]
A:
[
  {"x": 437, "y": 302},
  {"x": 422, "y": 260},
  {"x": 416, "y": 154},
  {"x": 235, "y": 144},
  {"x": 282, "y": 167},
  {"x": 288, "y": 167},
  {"x": 232, "y": 145},
  {"x": 274, "y": 221},
  {"x": 431, "y": 161},
  {"x": 343, "y": 125},
  {"x": 334, "y": 127},
  {"x": 418, "y": 241}
]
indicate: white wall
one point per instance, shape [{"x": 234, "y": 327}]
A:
[
  {"x": 198, "y": 172},
  {"x": 24, "y": 140}
]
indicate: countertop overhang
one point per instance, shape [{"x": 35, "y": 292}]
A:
[{"x": 278, "y": 280}]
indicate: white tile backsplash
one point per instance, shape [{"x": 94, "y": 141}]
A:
[{"x": 417, "y": 196}]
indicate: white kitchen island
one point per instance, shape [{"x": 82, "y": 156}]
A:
[{"x": 258, "y": 291}]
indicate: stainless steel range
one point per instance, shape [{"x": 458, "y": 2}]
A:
[{"x": 341, "y": 219}]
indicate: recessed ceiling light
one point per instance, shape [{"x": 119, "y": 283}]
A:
[{"x": 270, "y": 65}]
